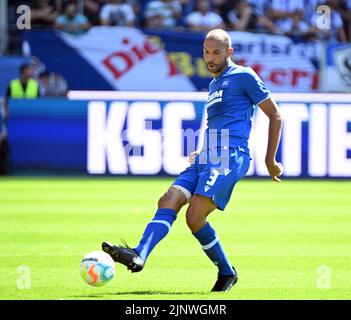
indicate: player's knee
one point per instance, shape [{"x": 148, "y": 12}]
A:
[
  {"x": 173, "y": 199},
  {"x": 194, "y": 220}
]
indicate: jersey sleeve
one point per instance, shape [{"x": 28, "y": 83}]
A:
[{"x": 254, "y": 88}]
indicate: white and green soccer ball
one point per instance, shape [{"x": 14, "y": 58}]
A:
[{"x": 97, "y": 268}]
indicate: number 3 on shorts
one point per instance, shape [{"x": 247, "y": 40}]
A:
[{"x": 213, "y": 177}]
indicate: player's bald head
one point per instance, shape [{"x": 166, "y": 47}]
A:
[
  {"x": 217, "y": 51},
  {"x": 220, "y": 36}
]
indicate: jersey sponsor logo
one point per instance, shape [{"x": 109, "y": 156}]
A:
[
  {"x": 227, "y": 171},
  {"x": 214, "y": 97}
]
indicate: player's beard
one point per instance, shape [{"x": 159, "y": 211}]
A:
[{"x": 217, "y": 68}]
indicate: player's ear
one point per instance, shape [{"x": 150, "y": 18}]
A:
[{"x": 230, "y": 52}]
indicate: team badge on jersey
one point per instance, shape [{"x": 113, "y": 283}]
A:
[{"x": 225, "y": 83}]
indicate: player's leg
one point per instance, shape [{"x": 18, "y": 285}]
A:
[
  {"x": 134, "y": 258},
  {"x": 168, "y": 207},
  {"x": 214, "y": 190},
  {"x": 200, "y": 207}
]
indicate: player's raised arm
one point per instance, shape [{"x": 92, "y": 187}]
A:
[{"x": 270, "y": 108}]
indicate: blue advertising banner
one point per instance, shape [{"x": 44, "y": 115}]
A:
[
  {"x": 48, "y": 135},
  {"x": 120, "y": 58},
  {"x": 284, "y": 64},
  {"x": 107, "y": 58},
  {"x": 152, "y": 133}
]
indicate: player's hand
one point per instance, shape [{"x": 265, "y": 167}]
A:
[
  {"x": 275, "y": 170},
  {"x": 192, "y": 156}
]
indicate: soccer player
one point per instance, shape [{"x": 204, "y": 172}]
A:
[{"x": 207, "y": 183}]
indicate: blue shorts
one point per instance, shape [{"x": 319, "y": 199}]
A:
[{"x": 215, "y": 179}]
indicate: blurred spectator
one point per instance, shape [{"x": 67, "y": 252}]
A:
[
  {"x": 162, "y": 14},
  {"x": 335, "y": 31},
  {"x": 344, "y": 8},
  {"x": 188, "y": 6},
  {"x": 92, "y": 10},
  {"x": 243, "y": 16},
  {"x": 263, "y": 22},
  {"x": 44, "y": 13},
  {"x": 204, "y": 19},
  {"x": 259, "y": 6},
  {"x": 52, "y": 85},
  {"x": 71, "y": 21},
  {"x": 25, "y": 87},
  {"x": 216, "y": 4},
  {"x": 117, "y": 13},
  {"x": 310, "y": 8},
  {"x": 287, "y": 15},
  {"x": 136, "y": 5},
  {"x": 91, "y": 6}
]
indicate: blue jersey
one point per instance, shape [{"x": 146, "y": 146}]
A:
[{"x": 230, "y": 105}]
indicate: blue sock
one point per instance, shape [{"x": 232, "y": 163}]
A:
[
  {"x": 155, "y": 231},
  {"x": 212, "y": 247}
]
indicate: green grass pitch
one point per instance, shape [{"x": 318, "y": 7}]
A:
[{"x": 287, "y": 241}]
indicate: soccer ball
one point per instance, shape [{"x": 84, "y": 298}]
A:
[{"x": 97, "y": 268}]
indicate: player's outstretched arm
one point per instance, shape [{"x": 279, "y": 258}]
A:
[{"x": 270, "y": 108}]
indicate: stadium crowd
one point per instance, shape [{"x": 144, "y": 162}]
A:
[{"x": 289, "y": 17}]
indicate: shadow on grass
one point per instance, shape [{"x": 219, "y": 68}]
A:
[{"x": 139, "y": 293}]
